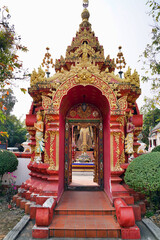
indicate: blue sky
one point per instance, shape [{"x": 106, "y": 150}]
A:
[{"x": 54, "y": 23}]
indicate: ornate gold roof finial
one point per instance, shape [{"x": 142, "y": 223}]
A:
[
  {"x": 120, "y": 61},
  {"x": 47, "y": 60},
  {"x": 85, "y": 15},
  {"x": 85, "y": 3}
]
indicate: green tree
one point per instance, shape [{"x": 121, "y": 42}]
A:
[
  {"x": 151, "y": 54},
  {"x": 9, "y": 46},
  {"x": 15, "y": 129},
  {"x": 11, "y": 67},
  {"x": 7, "y": 101},
  {"x": 151, "y": 117},
  {"x": 8, "y": 162},
  {"x": 156, "y": 149}
]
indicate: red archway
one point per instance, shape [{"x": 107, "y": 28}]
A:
[{"x": 95, "y": 97}]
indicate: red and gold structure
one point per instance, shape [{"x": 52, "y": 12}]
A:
[{"x": 83, "y": 71}]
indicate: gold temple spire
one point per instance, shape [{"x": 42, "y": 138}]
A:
[{"x": 85, "y": 14}]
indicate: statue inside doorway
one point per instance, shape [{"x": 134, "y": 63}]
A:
[{"x": 84, "y": 143}]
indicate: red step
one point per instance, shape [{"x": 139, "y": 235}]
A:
[
  {"x": 84, "y": 214},
  {"x": 84, "y": 226},
  {"x": 116, "y": 179}
]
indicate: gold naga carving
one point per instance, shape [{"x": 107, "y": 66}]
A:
[
  {"x": 132, "y": 78},
  {"x": 37, "y": 77}
]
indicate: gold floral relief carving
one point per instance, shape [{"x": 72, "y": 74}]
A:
[
  {"x": 49, "y": 118},
  {"x": 46, "y": 102},
  {"x": 122, "y": 103},
  {"x": 32, "y": 150},
  {"x": 31, "y": 129},
  {"x": 120, "y": 161},
  {"x": 51, "y": 162},
  {"x": 83, "y": 114},
  {"x": 116, "y": 137},
  {"x": 72, "y": 113},
  {"x": 98, "y": 83},
  {"x": 46, "y": 156},
  {"x": 121, "y": 120}
]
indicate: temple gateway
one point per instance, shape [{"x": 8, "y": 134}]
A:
[{"x": 84, "y": 118}]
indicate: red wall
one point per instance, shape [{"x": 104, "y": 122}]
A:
[
  {"x": 61, "y": 155},
  {"x": 106, "y": 147}
]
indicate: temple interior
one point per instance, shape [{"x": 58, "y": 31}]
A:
[{"x": 84, "y": 147}]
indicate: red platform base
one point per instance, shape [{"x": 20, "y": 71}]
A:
[
  {"x": 43, "y": 182},
  {"x": 130, "y": 233},
  {"x": 40, "y": 232}
]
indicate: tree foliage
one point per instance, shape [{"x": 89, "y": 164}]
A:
[
  {"x": 7, "y": 101},
  {"x": 151, "y": 117},
  {"x": 10, "y": 65},
  {"x": 13, "y": 127},
  {"x": 156, "y": 149},
  {"x": 143, "y": 175},
  {"x": 8, "y": 162},
  {"x": 151, "y": 54}
]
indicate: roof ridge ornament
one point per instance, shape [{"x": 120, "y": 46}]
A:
[
  {"x": 85, "y": 3},
  {"x": 47, "y": 61}
]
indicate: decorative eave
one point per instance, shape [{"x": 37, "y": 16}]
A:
[{"x": 86, "y": 68}]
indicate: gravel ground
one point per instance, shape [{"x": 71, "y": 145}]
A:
[
  {"x": 8, "y": 217},
  {"x": 156, "y": 218}
]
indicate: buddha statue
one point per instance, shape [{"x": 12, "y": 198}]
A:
[{"x": 84, "y": 143}]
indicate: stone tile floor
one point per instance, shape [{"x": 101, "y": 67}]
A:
[{"x": 82, "y": 179}]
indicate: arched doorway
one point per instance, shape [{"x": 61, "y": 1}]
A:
[
  {"x": 83, "y": 147},
  {"x": 94, "y": 97}
]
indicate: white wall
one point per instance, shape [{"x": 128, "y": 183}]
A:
[{"x": 22, "y": 172}]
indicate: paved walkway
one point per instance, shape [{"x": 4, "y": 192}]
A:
[{"x": 82, "y": 179}]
